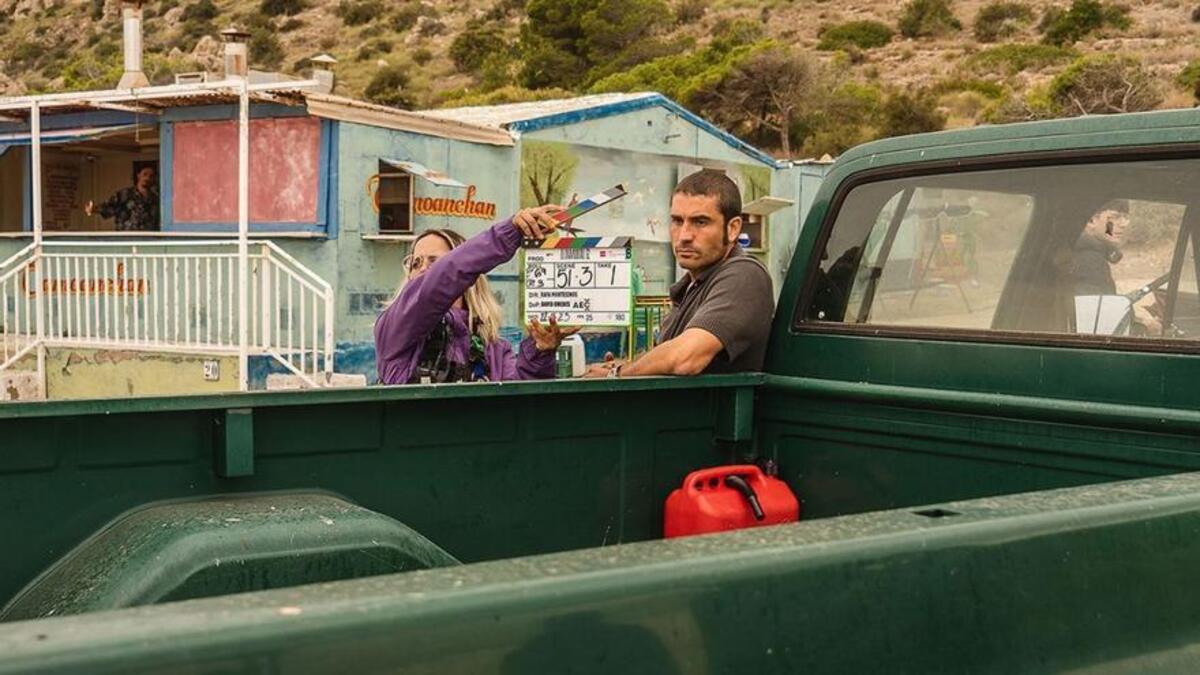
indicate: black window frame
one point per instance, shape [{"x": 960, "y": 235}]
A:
[
  {"x": 798, "y": 325},
  {"x": 395, "y": 173}
]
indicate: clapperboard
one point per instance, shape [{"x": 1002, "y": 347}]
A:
[{"x": 580, "y": 281}]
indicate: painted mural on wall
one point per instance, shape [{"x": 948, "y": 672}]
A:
[{"x": 754, "y": 181}]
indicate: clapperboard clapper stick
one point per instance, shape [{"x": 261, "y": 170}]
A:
[{"x": 566, "y": 216}]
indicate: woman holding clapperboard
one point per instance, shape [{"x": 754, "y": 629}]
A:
[{"x": 443, "y": 324}]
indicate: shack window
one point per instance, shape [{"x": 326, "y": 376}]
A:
[
  {"x": 94, "y": 179},
  {"x": 754, "y": 220},
  {"x": 1100, "y": 249},
  {"x": 395, "y": 200}
]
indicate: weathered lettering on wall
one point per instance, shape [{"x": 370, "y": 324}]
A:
[
  {"x": 118, "y": 284},
  {"x": 462, "y": 208}
]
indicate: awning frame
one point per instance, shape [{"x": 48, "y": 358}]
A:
[
  {"x": 438, "y": 178},
  {"x": 765, "y": 206}
]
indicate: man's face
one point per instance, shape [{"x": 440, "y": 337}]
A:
[
  {"x": 1109, "y": 224},
  {"x": 145, "y": 178},
  {"x": 700, "y": 237}
]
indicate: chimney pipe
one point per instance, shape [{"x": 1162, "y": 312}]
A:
[
  {"x": 237, "y": 65},
  {"x": 322, "y": 71},
  {"x": 131, "y": 20}
]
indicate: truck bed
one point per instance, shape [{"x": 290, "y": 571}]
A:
[{"x": 1073, "y": 580}]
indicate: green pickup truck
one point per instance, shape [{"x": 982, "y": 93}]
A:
[{"x": 981, "y": 385}]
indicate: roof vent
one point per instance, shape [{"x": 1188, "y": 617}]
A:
[
  {"x": 131, "y": 23},
  {"x": 237, "y": 63},
  {"x": 322, "y": 71}
]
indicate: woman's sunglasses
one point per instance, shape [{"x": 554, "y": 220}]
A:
[{"x": 413, "y": 263}]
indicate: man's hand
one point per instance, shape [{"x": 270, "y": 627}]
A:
[
  {"x": 548, "y": 337},
  {"x": 1152, "y": 324},
  {"x": 536, "y": 222},
  {"x": 90, "y": 207},
  {"x": 601, "y": 369}
]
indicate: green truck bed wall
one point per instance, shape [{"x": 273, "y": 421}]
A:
[
  {"x": 484, "y": 471},
  {"x": 1086, "y": 580}
]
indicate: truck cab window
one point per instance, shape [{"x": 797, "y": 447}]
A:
[
  {"x": 932, "y": 256},
  {"x": 1101, "y": 249}
]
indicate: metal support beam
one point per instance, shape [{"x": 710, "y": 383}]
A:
[
  {"x": 243, "y": 236},
  {"x": 169, "y": 91},
  {"x": 35, "y": 171},
  {"x": 121, "y": 107}
]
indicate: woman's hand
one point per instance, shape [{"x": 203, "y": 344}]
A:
[
  {"x": 536, "y": 222},
  {"x": 548, "y": 337}
]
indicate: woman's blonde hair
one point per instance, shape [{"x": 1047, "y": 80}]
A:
[{"x": 481, "y": 303}]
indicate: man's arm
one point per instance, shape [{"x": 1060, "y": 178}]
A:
[
  {"x": 733, "y": 318},
  {"x": 111, "y": 206},
  {"x": 689, "y": 353}
]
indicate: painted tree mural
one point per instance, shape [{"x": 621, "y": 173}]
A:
[
  {"x": 547, "y": 171},
  {"x": 755, "y": 182}
]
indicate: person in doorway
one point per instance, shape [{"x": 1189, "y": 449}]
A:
[
  {"x": 721, "y": 310},
  {"x": 443, "y": 324},
  {"x": 134, "y": 208}
]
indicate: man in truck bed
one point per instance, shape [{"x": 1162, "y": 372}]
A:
[{"x": 721, "y": 309}]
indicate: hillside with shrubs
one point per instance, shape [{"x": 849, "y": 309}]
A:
[{"x": 798, "y": 77}]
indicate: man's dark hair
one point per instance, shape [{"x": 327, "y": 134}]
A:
[
  {"x": 1118, "y": 205},
  {"x": 711, "y": 183}
]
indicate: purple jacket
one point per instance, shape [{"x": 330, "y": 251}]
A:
[{"x": 402, "y": 328}]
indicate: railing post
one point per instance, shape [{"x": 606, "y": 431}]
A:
[
  {"x": 328, "y": 336},
  {"x": 243, "y": 235},
  {"x": 39, "y": 273},
  {"x": 266, "y": 303}
]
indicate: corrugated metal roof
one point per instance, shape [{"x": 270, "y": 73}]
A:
[
  {"x": 501, "y": 116},
  {"x": 520, "y": 118},
  {"x": 155, "y": 99},
  {"x": 362, "y": 112}
]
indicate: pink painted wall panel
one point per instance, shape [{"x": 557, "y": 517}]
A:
[{"x": 284, "y": 170}]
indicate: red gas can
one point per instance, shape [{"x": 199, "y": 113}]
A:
[{"x": 728, "y": 498}]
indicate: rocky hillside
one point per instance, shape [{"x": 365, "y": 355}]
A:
[{"x": 856, "y": 69}]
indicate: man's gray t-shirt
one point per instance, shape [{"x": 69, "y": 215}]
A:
[{"x": 734, "y": 301}]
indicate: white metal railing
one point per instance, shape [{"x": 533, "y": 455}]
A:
[
  {"x": 18, "y": 326},
  {"x": 168, "y": 297},
  {"x": 291, "y": 314}
]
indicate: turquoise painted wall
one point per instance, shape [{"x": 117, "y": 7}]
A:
[
  {"x": 655, "y": 131},
  {"x": 363, "y": 267}
]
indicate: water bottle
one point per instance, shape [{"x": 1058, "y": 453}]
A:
[{"x": 570, "y": 361}]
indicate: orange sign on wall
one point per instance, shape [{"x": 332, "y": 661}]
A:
[{"x": 466, "y": 207}]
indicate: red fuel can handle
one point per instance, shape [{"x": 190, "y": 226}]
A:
[{"x": 728, "y": 498}]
